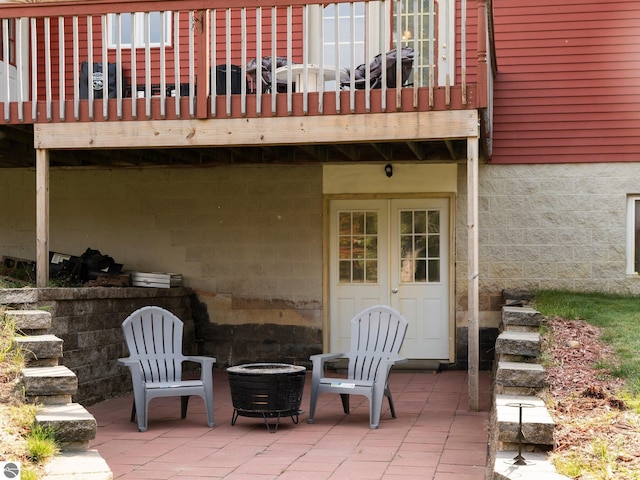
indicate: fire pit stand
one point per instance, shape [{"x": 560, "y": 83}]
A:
[{"x": 266, "y": 390}]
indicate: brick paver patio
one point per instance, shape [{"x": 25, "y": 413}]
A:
[{"x": 435, "y": 437}]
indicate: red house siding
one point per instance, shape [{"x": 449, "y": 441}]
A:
[{"x": 568, "y": 84}]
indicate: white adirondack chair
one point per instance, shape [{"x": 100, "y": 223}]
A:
[
  {"x": 377, "y": 334},
  {"x": 154, "y": 338}
]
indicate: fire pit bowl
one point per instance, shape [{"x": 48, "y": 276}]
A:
[{"x": 266, "y": 390}]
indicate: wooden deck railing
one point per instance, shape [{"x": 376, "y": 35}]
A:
[{"x": 111, "y": 60}]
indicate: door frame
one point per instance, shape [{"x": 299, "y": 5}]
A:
[{"x": 326, "y": 259}]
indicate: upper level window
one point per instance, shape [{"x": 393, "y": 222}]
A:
[
  {"x": 417, "y": 27},
  {"x": 139, "y": 28},
  {"x": 338, "y": 18},
  {"x": 633, "y": 234}
]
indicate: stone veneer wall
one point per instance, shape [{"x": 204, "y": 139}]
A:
[{"x": 89, "y": 319}]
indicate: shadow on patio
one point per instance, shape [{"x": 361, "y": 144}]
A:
[{"x": 434, "y": 437}]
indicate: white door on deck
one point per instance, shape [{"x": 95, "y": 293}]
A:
[
  {"x": 394, "y": 252},
  {"x": 12, "y": 80}
]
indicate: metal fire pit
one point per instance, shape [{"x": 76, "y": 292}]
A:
[{"x": 266, "y": 390}]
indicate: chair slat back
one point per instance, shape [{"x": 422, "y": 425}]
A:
[
  {"x": 377, "y": 333},
  {"x": 154, "y": 336}
]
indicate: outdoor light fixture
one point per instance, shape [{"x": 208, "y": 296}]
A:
[{"x": 388, "y": 169}]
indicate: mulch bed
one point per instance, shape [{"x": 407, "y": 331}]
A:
[{"x": 585, "y": 405}]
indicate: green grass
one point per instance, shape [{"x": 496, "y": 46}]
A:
[
  {"x": 41, "y": 444},
  {"x": 617, "y": 315}
]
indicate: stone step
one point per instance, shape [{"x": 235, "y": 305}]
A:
[
  {"x": 521, "y": 318},
  {"x": 18, "y": 296},
  {"x": 538, "y": 467},
  {"x": 30, "y": 320},
  {"x": 537, "y": 424},
  {"x": 520, "y": 378},
  {"x": 524, "y": 344},
  {"x": 40, "y": 350},
  {"x": 87, "y": 465},
  {"x": 74, "y": 426},
  {"x": 49, "y": 385}
]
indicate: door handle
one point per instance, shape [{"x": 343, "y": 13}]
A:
[{"x": 394, "y": 290}]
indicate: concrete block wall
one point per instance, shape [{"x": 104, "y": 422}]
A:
[{"x": 247, "y": 240}]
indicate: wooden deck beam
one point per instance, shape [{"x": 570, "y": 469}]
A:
[{"x": 404, "y": 126}]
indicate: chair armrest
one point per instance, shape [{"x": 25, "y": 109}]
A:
[
  {"x": 204, "y": 361},
  {"x": 137, "y": 374},
  {"x": 397, "y": 359},
  {"x": 128, "y": 362},
  {"x": 206, "y": 367},
  {"x": 320, "y": 359},
  {"x": 387, "y": 364},
  {"x": 394, "y": 360}
]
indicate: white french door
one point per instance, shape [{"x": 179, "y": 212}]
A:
[{"x": 394, "y": 252}]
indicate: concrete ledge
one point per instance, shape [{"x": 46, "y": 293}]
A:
[
  {"x": 521, "y": 316},
  {"x": 73, "y": 424},
  {"x": 537, "y": 424},
  {"x": 49, "y": 381},
  {"x": 518, "y": 374},
  {"x": 87, "y": 465},
  {"x": 39, "y": 347},
  {"x": 30, "y": 319},
  {"x": 518, "y": 343},
  {"x": 538, "y": 467}
]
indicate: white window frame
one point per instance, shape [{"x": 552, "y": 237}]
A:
[
  {"x": 318, "y": 49},
  {"x": 140, "y": 19},
  {"x": 633, "y": 207}
]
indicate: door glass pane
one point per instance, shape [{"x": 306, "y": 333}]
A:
[
  {"x": 372, "y": 223},
  {"x": 344, "y": 227},
  {"x": 419, "y": 246},
  {"x": 420, "y": 222},
  {"x": 434, "y": 270},
  {"x": 358, "y": 222},
  {"x": 434, "y": 221},
  {"x": 358, "y": 272},
  {"x": 358, "y": 245},
  {"x": 434, "y": 246}
]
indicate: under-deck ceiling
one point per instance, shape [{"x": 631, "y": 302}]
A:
[{"x": 17, "y": 151}]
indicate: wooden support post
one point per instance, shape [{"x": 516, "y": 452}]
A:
[
  {"x": 472, "y": 268},
  {"x": 42, "y": 218}
]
